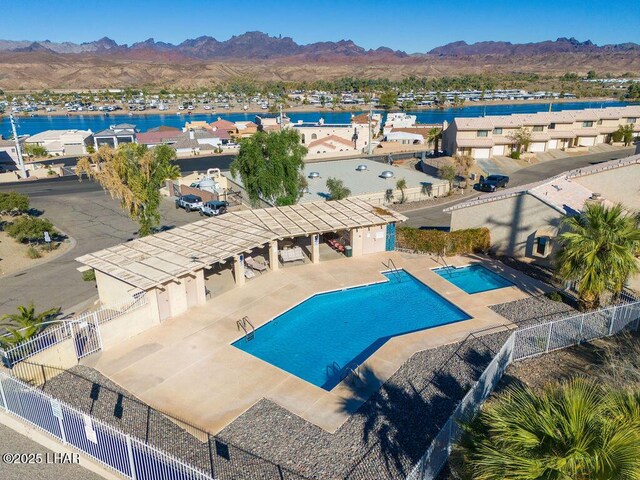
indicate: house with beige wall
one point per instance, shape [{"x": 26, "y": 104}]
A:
[
  {"x": 524, "y": 221},
  {"x": 487, "y": 137}
]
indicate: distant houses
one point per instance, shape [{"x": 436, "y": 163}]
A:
[
  {"x": 62, "y": 142},
  {"x": 116, "y": 135},
  {"x": 487, "y": 137}
]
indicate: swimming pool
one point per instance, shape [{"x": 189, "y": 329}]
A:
[
  {"x": 319, "y": 339},
  {"x": 473, "y": 278}
]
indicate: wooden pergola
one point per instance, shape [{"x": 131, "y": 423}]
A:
[{"x": 151, "y": 261}]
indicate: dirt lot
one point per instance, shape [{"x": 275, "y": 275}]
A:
[{"x": 14, "y": 258}]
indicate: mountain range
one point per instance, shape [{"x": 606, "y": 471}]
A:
[
  {"x": 199, "y": 62},
  {"x": 258, "y": 45}
]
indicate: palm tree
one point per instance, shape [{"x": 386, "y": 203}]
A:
[
  {"x": 598, "y": 251},
  {"x": 25, "y": 324},
  {"x": 434, "y": 136},
  {"x": 337, "y": 189},
  {"x": 401, "y": 185},
  {"x": 578, "y": 430}
]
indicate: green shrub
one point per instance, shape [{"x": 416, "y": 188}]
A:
[
  {"x": 89, "y": 275},
  {"x": 33, "y": 253},
  {"x": 13, "y": 200},
  {"x": 30, "y": 229},
  {"x": 458, "y": 242},
  {"x": 515, "y": 155},
  {"x": 555, "y": 296}
]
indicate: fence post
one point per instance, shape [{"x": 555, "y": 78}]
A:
[
  {"x": 613, "y": 318},
  {"x": 549, "y": 337},
  {"x": 131, "y": 462}
]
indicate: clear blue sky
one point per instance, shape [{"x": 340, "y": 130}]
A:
[{"x": 410, "y": 25}]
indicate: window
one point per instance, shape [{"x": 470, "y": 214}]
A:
[
  {"x": 314, "y": 136},
  {"x": 482, "y": 133},
  {"x": 538, "y": 128},
  {"x": 631, "y": 120},
  {"x": 587, "y": 124},
  {"x": 599, "y": 122},
  {"x": 542, "y": 248},
  {"x": 497, "y": 131},
  {"x": 552, "y": 126}
]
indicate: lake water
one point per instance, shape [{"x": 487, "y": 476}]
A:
[{"x": 32, "y": 125}]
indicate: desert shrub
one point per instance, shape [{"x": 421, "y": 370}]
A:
[
  {"x": 33, "y": 253},
  {"x": 458, "y": 242},
  {"x": 13, "y": 200},
  {"x": 89, "y": 275},
  {"x": 515, "y": 155},
  {"x": 30, "y": 229},
  {"x": 555, "y": 296}
]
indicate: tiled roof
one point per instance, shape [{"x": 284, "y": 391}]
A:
[
  {"x": 153, "y": 138},
  {"x": 328, "y": 139},
  {"x": 223, "y": 124}
]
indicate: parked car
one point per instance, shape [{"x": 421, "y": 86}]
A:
[
  {"x": 214, "y": 208},
  {"x": 492, "y": 183},
  {"x": 189, "y": 202}
]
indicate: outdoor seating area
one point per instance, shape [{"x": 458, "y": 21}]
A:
[
  {"x": 255, "y": 265},
  {"x": 293, "y": 254}
]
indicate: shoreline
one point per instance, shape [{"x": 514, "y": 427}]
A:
[{"x": 305, "y": 109}]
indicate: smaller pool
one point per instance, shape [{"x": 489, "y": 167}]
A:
[{"x": 473, "y": 278}]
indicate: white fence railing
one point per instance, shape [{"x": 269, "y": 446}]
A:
[
  {"x": 523, "y": 343},
  {"x": 55, "y": 335},
  {"x": 112, "y": 448}
]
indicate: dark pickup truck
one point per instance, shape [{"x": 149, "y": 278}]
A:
[{"x": 492, "y": 183}]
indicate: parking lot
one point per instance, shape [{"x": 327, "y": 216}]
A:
[{"x": 94, "y": 220}]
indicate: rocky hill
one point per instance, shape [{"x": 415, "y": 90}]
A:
[{"x": 200, "y": 61}]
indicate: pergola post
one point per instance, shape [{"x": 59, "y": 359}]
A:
[
  {"x": 315, "y": 248},
  {"x": 273, "y": 255},
  {"x": 238, "y": 269}
]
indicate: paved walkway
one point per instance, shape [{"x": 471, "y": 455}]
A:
[{"x": 192, "y": 354}]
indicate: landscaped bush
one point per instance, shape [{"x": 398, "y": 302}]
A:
[
  {"x": 555, "y": 296},
  {"x": 458, "y": 242},
  {"x": 89, "y": 275},
  {"x": 515, "y": 155},
  {"x": 33, "y": 253},
  {"x": 30, "y": 229},
  {"x": 14, "y": 201}
]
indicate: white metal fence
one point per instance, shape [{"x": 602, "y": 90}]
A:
[
  {"x": 84, "y": 329},
  {"x": 523, "y": 343},
  {"x": 110, "y": 447}
]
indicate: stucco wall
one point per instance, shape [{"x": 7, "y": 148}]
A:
[
  {"x": 512, "y": 222},
  {"x": 126, "y": 326},
  {"x": 374, "y": 239},
  {"x": 616, "y": 185},
  {"x": 113, "y": 291}
]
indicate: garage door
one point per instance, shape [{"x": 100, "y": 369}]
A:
[
  {"x": 538, "y": 146},
  {"x": 481, "y": 152},
  {"x": 553, "y": 144},
  {"x": 498, "y": 150},
  {"x": 587, "y": 141}
]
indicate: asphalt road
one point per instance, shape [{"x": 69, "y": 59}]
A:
[
  {"x": 187, "y": 165},
  {"x": 434, "y": 217},
  {"x": 89, "y": 215}
]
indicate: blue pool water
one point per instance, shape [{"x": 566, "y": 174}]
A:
[
  {"x": 318, "y": 339},
  {"x": 474, "y": 278}
]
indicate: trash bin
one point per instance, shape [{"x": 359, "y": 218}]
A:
[{"x": 348, "y": 251}]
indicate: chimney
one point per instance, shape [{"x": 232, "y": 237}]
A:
[{"x": 192, "y": 134}]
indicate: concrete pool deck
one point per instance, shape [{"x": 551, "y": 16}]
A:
[{"x": 188, "y": 368}]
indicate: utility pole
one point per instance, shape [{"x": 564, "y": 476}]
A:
[
  {"x": 370, "y": 115},
  {"x": 20, "y": 162},
  {"x": 280, "y": 116}
]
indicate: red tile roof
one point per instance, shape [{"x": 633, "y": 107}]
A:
[{"x": 222, "y": 124}]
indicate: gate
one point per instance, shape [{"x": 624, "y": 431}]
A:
[{"x": 86, "y": 335}]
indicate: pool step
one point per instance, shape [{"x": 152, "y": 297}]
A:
[{"x": 249, "y": 330}]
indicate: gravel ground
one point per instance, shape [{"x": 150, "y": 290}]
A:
[
  {"x": 13, "y": 442},
  {"x": 382, "y": 440}
]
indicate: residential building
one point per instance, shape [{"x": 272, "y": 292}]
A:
[
  {"x": 62, "y": 142},
  {"x": 9, "y": 154},
  {"x": 486, "y": 137},
  {"x": 116, "y": 135},
  {"x": 398, "y": 120},
  {"x": 159, "y": 136},
  {"x": 323, "y": 139},
  {"x": 524, "y": 221}
]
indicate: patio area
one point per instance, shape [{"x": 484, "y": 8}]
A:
[{"x": 192, "y": 354}]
